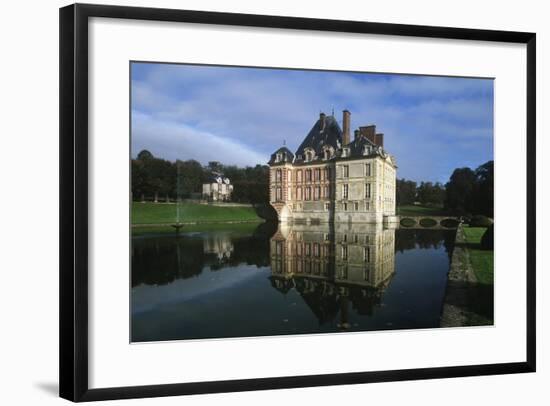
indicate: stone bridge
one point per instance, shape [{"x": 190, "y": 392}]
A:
[{"x": 429, "y": 222}]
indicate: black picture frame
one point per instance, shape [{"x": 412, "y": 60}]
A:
[{"x": 73, "y": 180}]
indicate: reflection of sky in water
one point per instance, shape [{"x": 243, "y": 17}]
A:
[
  {"x": 145, "y": 299},
  {"x": 238, "y": 284}
]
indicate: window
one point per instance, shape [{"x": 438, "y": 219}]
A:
[
  {"x": 355, "y": 238},
  {"x": 367, "y": 191},
  {"x": 318, "y": 174},
  {"x": 356, "y": 206},
  {"x": 317, "y": 193},
  {"x": 327, "y": 206},
  {"x": 327, "y": 173},
  {"x": 367, "y": 206},
  {"x": 345, "y": 190},
  {"x": 299, "y": 193},
  {"x": 299, "y": 175},
  {"x": 279, "y": 157},
  {"x": 279, "y": 175},
  {"x": 345, "y": 171},
  {"x": 366, "y": 254},
  {"x": 308, "y": 175},
  {"x": 279, "y": 195},
  {"x": 367, "y": 170},
  {"x": 326, "y": 192},
  {"x": 345, "y": 152},
  {"x": 308, "y": 193},
  {"x": 344, "y": 271},
  {"x": 344, "y": 252},
  {"x": 316, "y": 249},
  {"x": 345, "y": 206}
]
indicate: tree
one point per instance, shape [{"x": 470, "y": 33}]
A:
[
  {"x": 145, "y": 155},
  {"x": 152, "y": 176},
  {"x": 190, "y": 177},
  {"x": 460, "y": 190},
  {"x": 484, "y": 193},
  {"x": 431, "y": 194},
  {"x": 471, "y": 191},
  {"x": 405, "y": 192}
]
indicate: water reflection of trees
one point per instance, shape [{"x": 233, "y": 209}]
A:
[
  {"x": 334, "y": 267},
  {"x": 159, "y": 260},
  {"x": 408, "y": 239}
]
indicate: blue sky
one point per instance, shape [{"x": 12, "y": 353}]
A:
[{"x": 242, "y": 115}]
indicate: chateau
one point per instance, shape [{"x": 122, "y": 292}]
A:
[{"x": 332, "y": 178}]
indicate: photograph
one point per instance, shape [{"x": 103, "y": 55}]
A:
[{"x": 275, "y": 201}]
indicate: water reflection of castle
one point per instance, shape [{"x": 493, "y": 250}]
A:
[{"x": 333, "y": 265}]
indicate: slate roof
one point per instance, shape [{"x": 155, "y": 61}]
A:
[
  {"x": 213, "y": 177},
  {"x": 358, "y": 145},
  {"x": 330, "y": 134},
  {"x": 287, "y": 156},
  {"x": 319, "y": 136}
]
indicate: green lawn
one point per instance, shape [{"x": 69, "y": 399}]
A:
[
  {"x": 412, "y": 210},
  {"x": 481, "y": 260},
  {"x": 162, "y": 213},
  {"x": 481, "y": 294}
]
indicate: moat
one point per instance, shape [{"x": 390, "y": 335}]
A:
[{"x": 256, "y": 280}]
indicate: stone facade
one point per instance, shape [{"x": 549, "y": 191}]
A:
[{"x": 331, "y": 178}]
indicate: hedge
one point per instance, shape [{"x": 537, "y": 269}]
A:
[
  {"x": 480, "y": 221},
  {"x": 407, "y": 222},
  {"x": 449, "y": 223},
  {"x": 427, "y": 222}
]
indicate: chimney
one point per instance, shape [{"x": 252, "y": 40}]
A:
[
  {"x": 356, "y": 134},
  {"x": 345, "y": 129},
  {"x": 368, "y": 132},
  {"x": 379, "y": 140}
]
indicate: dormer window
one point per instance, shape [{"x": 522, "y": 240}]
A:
[
  {"x": 279, "y": 157},
  {"x": 327, "y": 153},
  {"x": 310, "y": 154},
  {"x": 345, "y": 152},
  {"x": 366, "y": 150}
]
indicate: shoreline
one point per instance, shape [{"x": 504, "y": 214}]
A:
[
  {"x": 191, "y": 223},
  {"x": 460, "y": 279}
]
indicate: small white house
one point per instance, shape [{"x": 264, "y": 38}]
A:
[{"x": 218, "y": 189}]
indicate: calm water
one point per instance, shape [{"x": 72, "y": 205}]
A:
[{"x": 268, "y": 280}]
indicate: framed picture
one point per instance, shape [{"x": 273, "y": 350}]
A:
[{"x": 257, "y": 202}]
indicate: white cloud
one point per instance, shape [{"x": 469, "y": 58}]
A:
[{"x": 173, "y": 141}]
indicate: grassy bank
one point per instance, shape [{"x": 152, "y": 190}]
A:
[
  {"x": 481, "y": 294},
  {"x": 412, "y": 210},
  {"x": 481, "y": 260},
  {"x": 160, "y": 213}
]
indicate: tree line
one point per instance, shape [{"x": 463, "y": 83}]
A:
[
  {"x": 158, "y": 178},
  {"x": 468, "y": 191}
]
